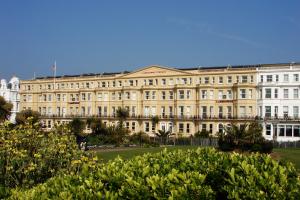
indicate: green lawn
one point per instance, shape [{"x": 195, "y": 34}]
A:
[
  {"x": 127, "y": 153},
  {"x": 291, "y": 154}
]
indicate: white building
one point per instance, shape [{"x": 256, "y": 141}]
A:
[
  {"x": 10, "y": 92},
  {"x": 278, "y": 101}
]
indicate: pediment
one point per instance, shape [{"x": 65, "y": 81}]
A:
[{"x": 155, "y": 71}]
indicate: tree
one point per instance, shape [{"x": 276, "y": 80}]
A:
[
  {"x": 5, "y": 109},
  {"x": 163, "y": 135},
  {"x": 23, "y": 116},
  {"x": 155, "y": 120},
  {"x": 140, "y": 137},
  {"x": 76, "y": 127},
  {"x": 98, "y": 128},
  {"x": 122, "y": 115},
  {"x": 202, "y": 134}
]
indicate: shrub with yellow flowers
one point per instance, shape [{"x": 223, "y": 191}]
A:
[{"x": 29, "y": 156}]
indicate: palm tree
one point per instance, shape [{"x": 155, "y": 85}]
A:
[
  {"x": 122, "y": 115},
  {"x": 155, "y": 120},
  {"x": 5, "y": 109},
  {"x": 163, "y": 135}
]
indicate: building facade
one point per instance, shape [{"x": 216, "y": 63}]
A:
[
  {"x": 10, "y": 92},
  {"x": 278, "y": 101},
  {"x": 185, "y": 100}
]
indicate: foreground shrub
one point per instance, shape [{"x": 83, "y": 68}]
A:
[
  {"x": 197, "y": 174},
  {"x": 29, "y": 156}
]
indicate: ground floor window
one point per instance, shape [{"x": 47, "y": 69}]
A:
[
  {"x": 188, "y": 128},
  {"x": 181, "y": 127},
  {"x": 147, "y": 127},
  {"x": 289, "y": 130},
  {"x": 220, "y": 127},
  {"x": 268, "y": 129},
  {"x": 297, "y": 131}
]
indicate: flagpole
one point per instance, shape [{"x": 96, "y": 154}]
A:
[{"x": 54, "y": 74}]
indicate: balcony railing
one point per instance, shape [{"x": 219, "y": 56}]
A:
[{"x": 161, "y": 117}]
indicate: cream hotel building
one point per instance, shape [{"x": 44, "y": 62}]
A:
[{"x": 185, "y": 100}]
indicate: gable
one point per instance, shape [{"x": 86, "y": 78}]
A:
[{"x": 155, "y": 71}]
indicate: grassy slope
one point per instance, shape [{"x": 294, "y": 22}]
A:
[
  {"x": 131, "y": 152},
  {"x": 292, "y": 154}
]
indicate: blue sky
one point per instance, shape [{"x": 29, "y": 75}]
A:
[{"x": 109, "y": 36}]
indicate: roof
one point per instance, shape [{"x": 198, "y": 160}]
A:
[{"x": 183, "y": 69}]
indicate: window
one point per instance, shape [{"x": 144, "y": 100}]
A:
[
  {"x": 181, "y": 94},
  {"x": 276, "y": 93},
  {"x": 220, "y": 80},
  {"x": 289, "y": 131},
  {"x": 163, "y": 82},
  {"x": 220, "y": 94},
  {"x": 244, "y": 79},
  {"x": 268, "y": 94},
  {"x": 296, "y": 111},
  {"x": 296, "y": 131},
  {"x": 147, "y": 95},
  {"x": 261, "y": 78},
  {"x": 286, "y": 93},
  {"x": 133, "y": 126},
  {"x": 268, "y": 112},
  {"x": 251, "y": 79},
  {"x": 285, "y": 111},
  {"x": 229, "y": 94},
  {"x": 210, "y": 128},
  {"x": 89, "y": 97},
  {"x": 181, "y": 111},
  {"x": 242, "y": 111},
  {"x": 171, "y": 94},
  {"x": 99, "y": 97},
  {"x": 204, "y": 94},
  {"x": 127, "y": 95},
  {"x": 150, "y": 82},
  {"x": 296, "y": 93},
  {"x": 296, "y": 77},
  {"x": 188, "y": 127},
  {"x": 276, "y": 111},
  {"x": 171, "y": 111},
  {"x": 229, "y": 111},
  {"x": 163, "y": 95},
  {"x": 277, "y": 77},
  {"x": 250, "y": 94},
  {"x": 206, "y": 80},
  {"x": 220, "y": 128},
  {"x": 204, "y": 111},
  {"x": 221, "y": 112},
  {"x": 268, "y": 129},
  {"x": 83, "y": 96},
  {"x": 131, "y": 82},
  {"x": 58, "y": 97},
  {"x": 229, "y": 79},
  {"x": 181, "y": 127},
  {"x": 188, "y": 94},
  {"x": 153, "y": 95},
  {"x": 147, "y": 126},
  {"x": 211, "y": 94},
  {"x": 286, "y": 78},
  {"x": 281, "y": 130},
  {"x": 120, "y": 95},
  {"x": 203, "y": 127},
  {"x": 242, "y": 93},
  {"x": 49, "y": 97},
  {"x": 269, "y": 78}
]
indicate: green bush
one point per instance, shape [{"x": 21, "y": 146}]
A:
[
  {"x": 29, "y": 156},
  {"x": 194, "y": 174}
]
